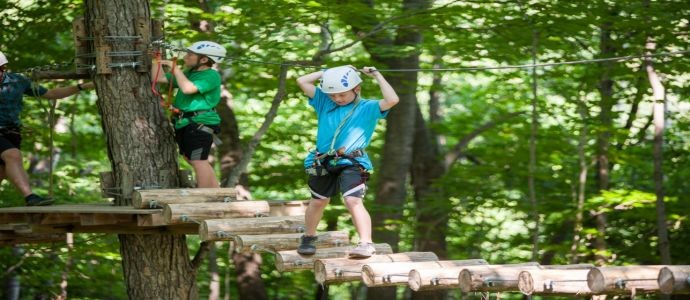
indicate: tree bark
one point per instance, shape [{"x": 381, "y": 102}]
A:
[{"x": 141, "y": 149}]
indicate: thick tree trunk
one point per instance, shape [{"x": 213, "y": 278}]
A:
[{"x": 142, "y": 153}]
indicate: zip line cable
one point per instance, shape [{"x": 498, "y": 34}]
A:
[{"x": 523, "y": 66}]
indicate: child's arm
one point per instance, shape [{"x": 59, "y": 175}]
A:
[
  {"x": 183, "y": 83},
  {"x": 306, "y": 83},
  {"x": 157, "y": 70},
  {"x": 390, "y": 98}
]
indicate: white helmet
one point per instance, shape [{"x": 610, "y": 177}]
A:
[
  {"x": 213, "y": 50},
  {"x": 339, "y": 79},
  {"x": 3, "y": 59}
]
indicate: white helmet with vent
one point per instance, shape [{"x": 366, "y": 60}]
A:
[
  {"x": 339, "y": 79},
  {"x": 213, "y": 50}
]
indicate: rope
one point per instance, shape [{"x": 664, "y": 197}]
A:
[{"x": 533, "y": 65}]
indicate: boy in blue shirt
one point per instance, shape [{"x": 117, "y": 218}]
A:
[{"x": 346, "y": 123}]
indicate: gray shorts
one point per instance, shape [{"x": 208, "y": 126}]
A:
[{"x": 351, "y": 181}]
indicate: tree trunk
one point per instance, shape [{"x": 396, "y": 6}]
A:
[
  {"x": 142, "y": 152},
  {"x": 606, "y": 122},
  {"x": 249, "y": 282},
  {"x": 581, "y": 182},
  {"x": 659, "y": 119},
  {"x": 533, "y": 152},
  {"x": 214, "y": 285}
]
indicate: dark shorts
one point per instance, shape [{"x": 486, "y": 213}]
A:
[
  {"x": 351, "y": 181},
  {"x": 10, "y": 138},
  {"x": 194, "y": 143}
]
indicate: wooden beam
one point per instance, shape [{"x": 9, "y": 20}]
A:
[
  {"x": 160, "y": 197},
  {"x": 105, "y": 219},
  {"x": 196, "y": 212},
  {"x": 493, "y": 278},
  {"x": 226, "y": 229},
  {"x": 10, "y": 239},
  {"x": 390, "y": 274},
  {"x": 674, "y": 279},
  {"x": 117, "y": 229},
  {"x": 290, "y": 260},
  {"x": 554, "y": 282},
  {"x": 337, "y": 270},
  {"x": 288, "y": 207},
  {"x": 624, "y": 280},
  {"x": 287, "y": 241}
]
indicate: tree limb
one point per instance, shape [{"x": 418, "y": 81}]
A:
[
  {"x": 247, "y": 154},
  {"x": 453, "y": 156},
  {"x": 198, "y": 259}
]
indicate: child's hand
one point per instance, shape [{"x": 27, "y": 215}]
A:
[{"x": 370, "y": 71}]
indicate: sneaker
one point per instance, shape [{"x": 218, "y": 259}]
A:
[
  {"x": 306, "y": 246},
  {"x": 363, "y": 250},
  {"x": 36, "y": 200}
]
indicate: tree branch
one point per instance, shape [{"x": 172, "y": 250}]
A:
[
  {"x": 247, "y": 154},
  {"x": 204, "y": 248},
  {"x": 453, "y": 156}
]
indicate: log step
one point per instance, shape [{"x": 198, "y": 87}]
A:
[
  {"x": 554, "y": 282},
  {"x": 156, "y": 198},
  {"x": 337, "y": 270},
  {"x": 493, "y": 278},
  {"x": 674, "y": 280},
  {"x": 390, "y": 274},
  {"x": 287, "y": 241},
  {"x": 227, "y": 229},
  {"x": 623, "y": 280},
  {"x": 196, "y": 212},
  {"x": 290, "y": 260}
]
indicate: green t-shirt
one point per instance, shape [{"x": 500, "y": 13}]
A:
[{"x": 208, "y": 84}]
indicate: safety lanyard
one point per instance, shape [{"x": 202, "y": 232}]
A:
[{"x": 331, "y": 151}]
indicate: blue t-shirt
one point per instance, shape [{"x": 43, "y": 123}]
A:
[
  {"x": 355, "y": 133},
  {"x": 12, "y": 91}
]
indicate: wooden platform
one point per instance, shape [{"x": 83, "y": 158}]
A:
[{"x": 106, "y": 218}]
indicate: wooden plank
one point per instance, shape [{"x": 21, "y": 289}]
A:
[
  {"x": 100, "y": 30},
  {"x": 624, "y": 280},
  {"x": 142, "y": 28},
  {"x": 61, "y": 218},
  {"x": 196, "y": 212},
  {"x": 225, "y": 229},
  {"x": 288, "y": 207},
  {"x": 337, "y": 270},
  {"x": 674, "y": 280},
  {"x": 31, "y": 238},
  {"x": 81, "y": 46},
  {"x": 391, "y": 274},
  {"x": 290, "y": 260},
  {"x": 150, "y": 220},
  {"x": 96, "y": 208},
  {"x": 7, "y": 218},
  {"x": 287, "y": 241},
  {"x": 105, "y": 219},
  {"x": 117, "y": 229},
  {"x": 160, "y": 197}
]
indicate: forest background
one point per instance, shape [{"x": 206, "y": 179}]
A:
[{"x": 567, "y": 163}]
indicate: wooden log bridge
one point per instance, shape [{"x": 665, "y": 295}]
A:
[
  {"x": 387, "y": 274},
  {"x": 197, "y": 212},
  {"x": 554, "y": 282},
  {"x": 290, "y": 260},
  {"x": 674, "y": 280},
  {"x": 338, "y": 270},
  {"x": 287, "y": 241},
  {"x": 624, "y": 280},
  {"x": 492, "y": 278},
  {"x": 227, "y": 229}
]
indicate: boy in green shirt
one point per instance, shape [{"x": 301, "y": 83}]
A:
[{"x": 198, "y": 93}]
